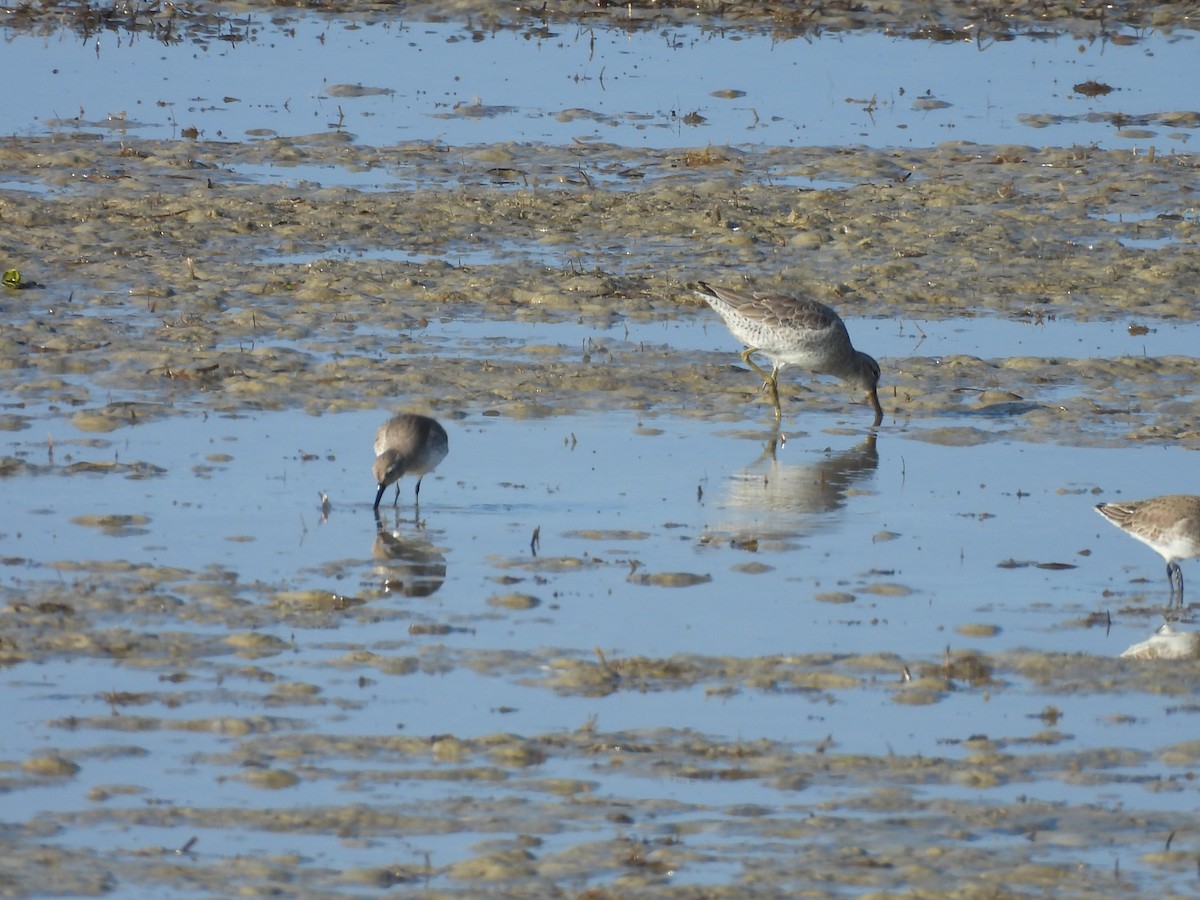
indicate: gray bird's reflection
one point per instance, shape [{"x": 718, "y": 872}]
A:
[
  {"x": 810, "y": 486},
  {"x": 409, "y": 564},
  {"x": 1166, "y": 643}
]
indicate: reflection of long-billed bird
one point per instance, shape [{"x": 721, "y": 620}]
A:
[
  {"x": 1170, "y": 525},
  {"x": 794, "y": 331},
  {"x": 803, "y": 487},
  {"x": 411, "y": 566},
  {"x": 407, "y": 444}
]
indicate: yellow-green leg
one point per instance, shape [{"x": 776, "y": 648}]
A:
[{"x": 769, "y": 381}]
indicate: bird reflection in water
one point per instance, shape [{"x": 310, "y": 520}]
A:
[
  {"x": 807, "y": 488},
  {"x": 1166, "y": 643},
  {"x": 409, "y": 565}
]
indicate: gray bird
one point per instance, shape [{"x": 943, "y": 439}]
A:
[
  {"x": 794, "y": 331},
  {"x": 1170, "y": 525},
  {"x": 407, "y": 444}
]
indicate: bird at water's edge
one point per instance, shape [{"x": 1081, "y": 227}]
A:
[
  {"x": 1170, "y": 525},
  {"x": 407, "y": 444},
  {"x": 793, "y": 331}
]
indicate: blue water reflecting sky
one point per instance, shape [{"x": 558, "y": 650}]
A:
[{"x": 431, "y": 82}]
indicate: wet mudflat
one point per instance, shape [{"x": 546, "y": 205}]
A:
[
  {"x": 673, "y": 690},
  {"x": 635, "y": 639},
  {"x": 167, "y": 287}
]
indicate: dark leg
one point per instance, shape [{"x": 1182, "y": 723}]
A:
[
  {"x": 417, "y": 503},
  {"x": 396, "y": 499},
  {"x": 1175, "y": 577}
]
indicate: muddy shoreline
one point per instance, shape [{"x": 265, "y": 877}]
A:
[
  {"x": 162, "y": 279},
  {"x": 943, "y": 21},
  {"x": 152, "y": 277}
]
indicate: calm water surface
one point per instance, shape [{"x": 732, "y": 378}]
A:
[
  {"x": 918, "y": 538},
  {"x": 660, "y": 537},
  {"x": 402, "y": 82}
]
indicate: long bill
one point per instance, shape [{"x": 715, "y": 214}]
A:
[
  {"x": 873, "y": 396},
  {"x": 383, "y": 487}
]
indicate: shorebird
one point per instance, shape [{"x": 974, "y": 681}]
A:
[
  {"x": 407, "y": 444},
  {"x": 793, "y": 331},
  {"x": 1170, "y": 525}
]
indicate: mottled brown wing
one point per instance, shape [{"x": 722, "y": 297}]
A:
[
  {"x": 1117, "y": 513},
  {"x": 1167, "y": 513},
  {"x": 1155, "y": 517},
  {"x": 779, "y": 310}
]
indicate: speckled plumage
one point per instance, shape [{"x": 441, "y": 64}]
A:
[
  {"x": 1169, "y": 524},
  {"x": 794, "y": 331},
  {"x": 407, "y": 444}
]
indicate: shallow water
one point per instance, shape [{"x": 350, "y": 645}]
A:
[
  {"x": 636, "y": 639},
  {"x": 822, "y": 574},
  {"x": 610, "y": 495},
  {"x": 392, "y": 82}
]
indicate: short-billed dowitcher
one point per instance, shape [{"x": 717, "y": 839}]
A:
[
  {"x": 794, "y": 331},
  {"x": 407, "y": 444},
  {"x": 1169, "y": 524}
]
